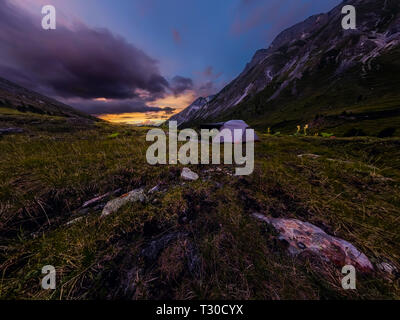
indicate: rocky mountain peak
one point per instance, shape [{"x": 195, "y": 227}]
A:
[{"x": 319, "y": 44}]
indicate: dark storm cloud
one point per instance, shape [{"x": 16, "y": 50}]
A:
[
  {"x": 79, "y": 62},
  {"x": 180, "y": 84},
  {"x": 168, "y": 110},
  {"x": 117, "y": 106}
]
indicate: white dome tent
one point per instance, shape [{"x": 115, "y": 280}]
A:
[{"x": 234, "y": 131}]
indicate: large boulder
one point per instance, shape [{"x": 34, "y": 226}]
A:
[
  {"x": 114, "y": 205},
  {"x": 304, "y": 237}
]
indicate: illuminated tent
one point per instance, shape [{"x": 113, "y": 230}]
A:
[{"x": 234, "y": 131}]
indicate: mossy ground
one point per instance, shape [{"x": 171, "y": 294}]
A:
[{"x": 49, "y": 171}]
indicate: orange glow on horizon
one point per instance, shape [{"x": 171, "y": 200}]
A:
[
  {"x": 178, "y": 103},
  {"x": 136, "y": 118}
]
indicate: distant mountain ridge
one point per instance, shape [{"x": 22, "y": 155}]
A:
[
  {"x": 16, "y": 97},
  {"x": 316, "y": 67}
]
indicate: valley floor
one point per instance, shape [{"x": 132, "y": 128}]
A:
[{"x": 189, "y": 240}]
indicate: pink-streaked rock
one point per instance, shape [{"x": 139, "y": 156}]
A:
[{"x": 305, "y": 237}]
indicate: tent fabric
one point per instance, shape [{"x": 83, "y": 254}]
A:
[{"x": 236, "y": 133}]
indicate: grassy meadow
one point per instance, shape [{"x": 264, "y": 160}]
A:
[{"x": 216, "y": 249}]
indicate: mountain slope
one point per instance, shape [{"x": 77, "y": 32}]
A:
[
  {"x": 315, "y": 72},
  {"x": 188, "y": 112},
  {"x": 21, "y": 99}
]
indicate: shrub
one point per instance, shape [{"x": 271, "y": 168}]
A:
[
  {"x": 114, "y": 135},
  {"x": 305, "y": 129},
  {"x": 326, "y": 135}
]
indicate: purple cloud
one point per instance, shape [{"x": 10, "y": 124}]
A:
[
  {"x": 79, "y": 62},
  {"x": 117, "y": 106},
  {"x": 180, "y": 84}
]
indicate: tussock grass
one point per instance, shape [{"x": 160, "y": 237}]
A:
[{"x": 351, "y": 191}]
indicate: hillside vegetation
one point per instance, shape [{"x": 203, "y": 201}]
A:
[{"x": 368, "y": 103}]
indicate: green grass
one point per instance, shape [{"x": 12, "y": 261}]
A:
[
  {"x": 46, "y": 177},
  {"x": 9, "y": 111}
]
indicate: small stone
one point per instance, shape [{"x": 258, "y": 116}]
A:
[
  {"x": 188, "y": 174},
  {"x": 309, "y": 155},
  {"x": 301, "y": 245},
  {"x": 74, "y": 221},
  {"x": 11, "y": 130},
  {"x": 154, "y": 189},
  {"x": 386, "y": 267}
]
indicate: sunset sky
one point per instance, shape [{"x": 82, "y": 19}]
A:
[{"x": 139, "y": 61}]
